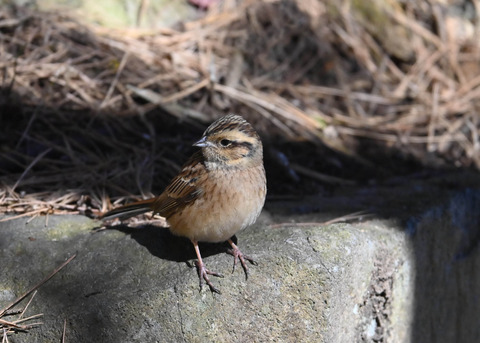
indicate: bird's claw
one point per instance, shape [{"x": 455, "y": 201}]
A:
[
  {"x": 238, "y": 255},
  {"x": 203, "y": 273}
]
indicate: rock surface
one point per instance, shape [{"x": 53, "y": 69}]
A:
[
  {"x": 335, "y": 283},
  {"x": 410, "y": 273}
]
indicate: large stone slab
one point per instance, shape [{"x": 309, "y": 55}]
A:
[{"x": 335, "y": 283}]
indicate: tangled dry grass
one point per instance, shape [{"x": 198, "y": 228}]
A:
[
  {"x": 403, "y": 75},
  {"x": 9, "y": 324}
]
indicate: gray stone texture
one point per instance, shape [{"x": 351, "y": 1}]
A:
[
  {"x": 312, "y": 284},
  {"x": 408, "y": 273}
]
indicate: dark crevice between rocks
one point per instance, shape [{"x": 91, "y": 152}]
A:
[{"x": 376, "y": 308}]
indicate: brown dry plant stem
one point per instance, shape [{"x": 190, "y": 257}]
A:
[
  {"x": 401, "y": 76},
  {"x": 9, "y": 326}
]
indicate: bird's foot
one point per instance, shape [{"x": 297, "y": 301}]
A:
[
  {"x": 238, "y": 255},
  {"x": 203, "y": 273}
]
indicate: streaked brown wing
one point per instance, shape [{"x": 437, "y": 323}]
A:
[{"x": 183, "y": 189}]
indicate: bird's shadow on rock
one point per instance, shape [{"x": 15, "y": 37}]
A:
[{"x": 161, "y": 243}]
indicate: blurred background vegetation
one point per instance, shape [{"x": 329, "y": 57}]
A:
[
  {"x": 100, "y": 101},
  {"x": 118, "y": 14}
]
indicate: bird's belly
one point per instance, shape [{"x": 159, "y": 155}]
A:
[{"x": 217, "y": 215}]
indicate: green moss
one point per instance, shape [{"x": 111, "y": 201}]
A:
[
  {"x": 371, "y": 12},
  {"x": 376, "y": 18},
  {"x": 69, "y": 228}
]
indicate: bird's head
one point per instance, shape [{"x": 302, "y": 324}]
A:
[{"x": 231, "y": 142}]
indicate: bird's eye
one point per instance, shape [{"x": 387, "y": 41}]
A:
[{"x": 225, "y": 142}]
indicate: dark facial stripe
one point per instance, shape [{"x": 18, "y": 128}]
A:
[{"x": 247, "y": 145}]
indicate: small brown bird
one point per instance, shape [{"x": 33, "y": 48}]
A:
[{"x": 219, "y": 191}]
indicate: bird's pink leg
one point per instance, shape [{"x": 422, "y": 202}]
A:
[
  {"x": 203, "y": 272},
  {"x": 238, "y": 255}
]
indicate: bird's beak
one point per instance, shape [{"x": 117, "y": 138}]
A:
[{"x": 202, "y": 143}]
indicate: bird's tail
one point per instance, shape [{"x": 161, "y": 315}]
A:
[{"x": 129, "y": 210}]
